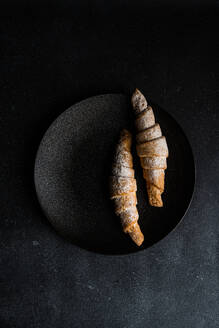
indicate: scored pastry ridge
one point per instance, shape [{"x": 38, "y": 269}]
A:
[
  {"x": 151, "y": 148},
  {"x": 123, "y": 188}
]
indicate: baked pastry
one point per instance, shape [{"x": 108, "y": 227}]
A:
[
  {"x": 151, "y": 148},
  {"x": 123, "y": 188}
]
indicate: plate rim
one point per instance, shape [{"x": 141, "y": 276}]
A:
[{"x": 138, "y": 250}]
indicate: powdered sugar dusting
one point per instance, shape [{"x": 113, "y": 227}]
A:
[
  {"x": 123, "y": 188},
  {"x": 151, "y": 148}
]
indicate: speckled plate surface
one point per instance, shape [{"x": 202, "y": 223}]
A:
[{"x": 73, "y": 164}]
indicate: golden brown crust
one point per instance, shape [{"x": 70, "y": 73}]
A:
[
  {"x": 151, "y": 148},
  {"x": 123, "y": 171},
  {"x": 153, "y": 163},
  {"x": 125, "y": 140},
  {"x": 136, "y": 234},
  {"x": 154, "y": 195},
  {"x": 123, "y": 188},
  {"x": 154, "y": 177},
  {"x": 151, "y": 133},
  {"x": 123, "y": 202}
]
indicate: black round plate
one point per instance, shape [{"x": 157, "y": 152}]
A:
[{"x": 73, "y": 166}]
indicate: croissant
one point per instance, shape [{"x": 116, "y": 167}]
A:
[
  {"x": 123, "y": 188},
  {"x": 151, "y": 148}
]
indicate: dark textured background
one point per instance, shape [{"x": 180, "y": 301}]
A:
[{"x": 54, "y": 55}]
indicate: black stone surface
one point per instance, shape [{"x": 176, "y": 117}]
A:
[
  {"x": 72, "y": 169},
  {"x": 53, "y": 55}
]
